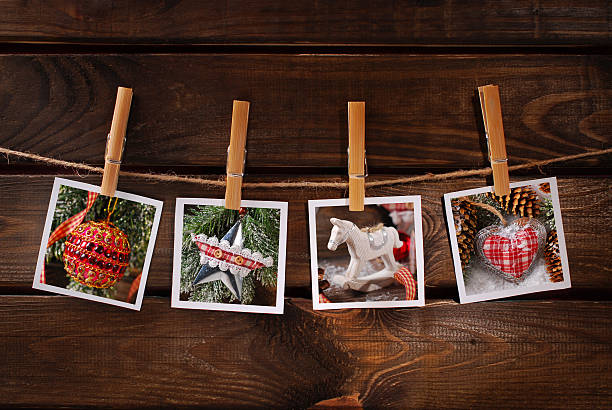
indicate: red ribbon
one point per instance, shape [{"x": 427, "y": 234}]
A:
[
  {"x": 134, "y": 287},
  {"x": 68, "y": 226},
  {"x": 219, "y": 254},
  {"x": 404, "y": 277}
]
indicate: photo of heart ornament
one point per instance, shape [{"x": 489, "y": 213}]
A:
[{"x": 510, "y": 250}]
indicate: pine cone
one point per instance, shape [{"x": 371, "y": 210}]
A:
[
  {"x": 465, "y": 225},
  {"x": 552, "y": 257},
  {"x": 522, "y": 201},
  {"x": 545, "y": 187}
]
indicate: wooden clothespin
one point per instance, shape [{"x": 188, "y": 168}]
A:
[
  {"x": 236, "y": 154},
  {"x": 496, "y": 142},
  {"x": 115, "y": 141},
  {"x": 357, "y": 168}
]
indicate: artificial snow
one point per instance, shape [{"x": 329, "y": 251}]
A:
[{"x": 481, "y": 280}]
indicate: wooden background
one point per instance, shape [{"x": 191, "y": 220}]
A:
[{"x": 417, "y": 65}]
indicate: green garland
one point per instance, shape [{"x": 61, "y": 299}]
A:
[{"x": 260, "y": 228}]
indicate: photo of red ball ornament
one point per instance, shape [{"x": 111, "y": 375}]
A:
[{"x": 97, "y": 254}]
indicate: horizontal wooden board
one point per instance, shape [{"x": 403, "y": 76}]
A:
[
  {"x": 275, "y": 22},
  {"x": 585, "y": 205},
  {"x": 421, "y": 111},
  {"x": 66, "y": 352}
]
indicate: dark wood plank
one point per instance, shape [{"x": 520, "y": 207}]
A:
[
  {"x": 585, "y": 205},
  {"x": 421, "y": 110},
  {"x": 276, "y": 22},
  {"x": 74, "y": 353}
]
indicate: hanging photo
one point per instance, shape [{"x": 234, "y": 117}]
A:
[
  {"x": 372, "y": 258},
  {"x": 229, "y": 260},
  {"x": 507, "y": 245},
  {"x": 96, "y": 247}
]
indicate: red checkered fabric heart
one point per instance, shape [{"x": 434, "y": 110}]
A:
[
  {"x": 512, "y": 255},
  {"x": 404, "y": 277}
]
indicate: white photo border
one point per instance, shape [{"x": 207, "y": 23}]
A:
[
  {"x": 554, "y": 194},
  {"x": 229, "y": 307},
  {"x": 47, "y": 232},
  {"x": 418, "y": 231}
]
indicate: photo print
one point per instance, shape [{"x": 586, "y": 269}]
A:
[
  {"x": 507, "y": 245},
  {"x": 97, "y": 247},
  {"x": 372, "y": 258},
  {"x": 229, "y": 260}
]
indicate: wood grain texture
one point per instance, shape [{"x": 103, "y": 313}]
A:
[
  {"x": 442, "y": 22},
  {"x": 422, "y": 115},
  {"x": 74, "y": 353},
  {"x": 356, "y": 153},
  {"x": 585, "y": 206},
  {"x": 490, "y": 106},
  {"x": 236, "y": 154},
  {"x": 116, "y": 141},
  {"x": 422, "y": 111}
]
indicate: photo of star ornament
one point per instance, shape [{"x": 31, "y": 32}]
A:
[{"x": 227, "y": 260}]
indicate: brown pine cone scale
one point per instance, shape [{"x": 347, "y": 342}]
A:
[
  {"x": 522, "y": 201},
  {"x": 553, "y": 258},
  {"x": 465, "y": 225}
]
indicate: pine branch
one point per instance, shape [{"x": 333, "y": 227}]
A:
[
  {"x": 547, "y": 214},
  {"x": 262, "y": 230}
]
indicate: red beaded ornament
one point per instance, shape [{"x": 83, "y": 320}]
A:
[{"x": 96, "y": 254}]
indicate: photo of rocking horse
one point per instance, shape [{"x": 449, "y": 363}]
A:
[
  {"x": 365, "y": 245},
  {"x": 372, "y": 258}
]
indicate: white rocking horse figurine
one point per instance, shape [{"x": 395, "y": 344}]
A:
[{"x": 365, "y": 246}]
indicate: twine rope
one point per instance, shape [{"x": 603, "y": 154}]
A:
[{"x": 220, "y": 182}]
